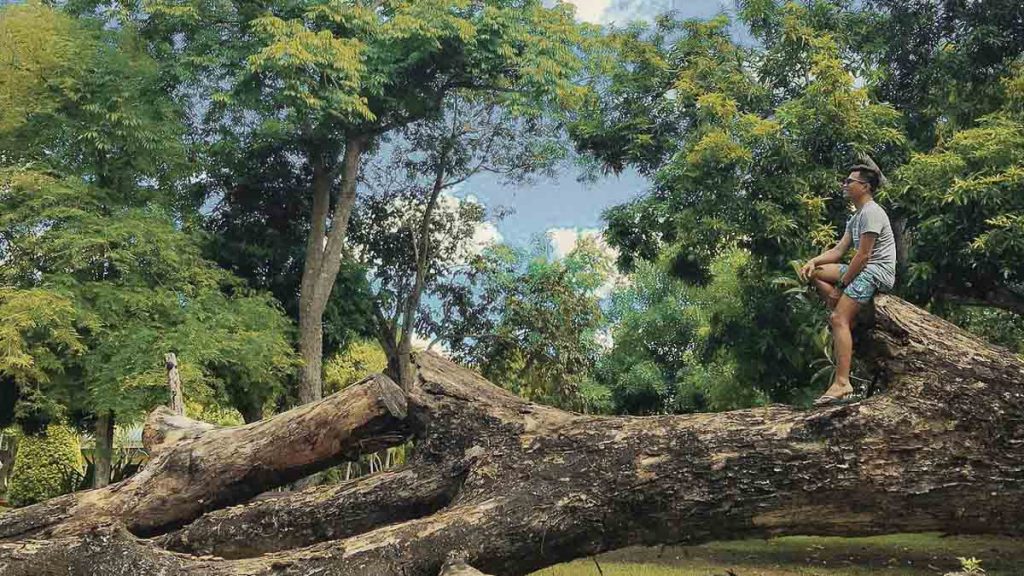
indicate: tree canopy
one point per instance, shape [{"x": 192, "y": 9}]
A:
[{"x": 99, "y": 277}]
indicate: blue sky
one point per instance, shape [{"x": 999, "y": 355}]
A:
[{"x": 563, "y": 204}]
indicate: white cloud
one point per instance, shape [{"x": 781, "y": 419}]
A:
[
  {"x": 485, "y": 234},
  {"x": 563, "y": 240},
  {"x": 591, "y": 10}
]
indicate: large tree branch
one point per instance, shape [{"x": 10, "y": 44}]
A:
[
  {"x": 320, "y": 514},
  {"x": 321, "y": 189},
  {"x": 421, "y": 242},
  {"x": 198, "y": 469}
]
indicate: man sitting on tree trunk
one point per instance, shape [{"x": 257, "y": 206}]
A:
[{"x": 846, "y": 287}]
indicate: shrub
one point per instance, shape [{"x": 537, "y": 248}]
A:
[
  {"x": 360, "y": 359},
  {"x": 45, "y": 466}
]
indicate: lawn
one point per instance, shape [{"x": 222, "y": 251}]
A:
[{"x": 896, "y": 555}]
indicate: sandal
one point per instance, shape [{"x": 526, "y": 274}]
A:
[{"x": 827, "y": 400}]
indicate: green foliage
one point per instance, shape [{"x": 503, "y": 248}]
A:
[
  {"x": 258, "y": 231},
  {"x": 970, "y": 565},
  {"x": 356, "y": 64},
  {"x": 118, "y": 286},
  {"x": 83, "y": 99},
  {"x": 732, "y": 343},
  {"x": 998, "y": 326},
  {"x": 940, "y": 62},
  {"x": 45, "y": 466},
  {"x": 530, "y": 322},
  {"x": 361, "y": 358},
  {"x": 39, "y": 328},
  {"x": 964, "y": 201},
  {"x": 35, "y": 41},
  {"x": 316, "y": 72},
  {"x": 655, "y": 327}
]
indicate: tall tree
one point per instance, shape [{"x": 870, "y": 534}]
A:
[
  {"x": 335, "y": 76},
  {"x": 258, "y": 225},
  {"x": 121, "y": 286},
  {"x": 965, "y": 206},
  {"x": 91, "y": 149},
  {"x": 411, "y": 231}
]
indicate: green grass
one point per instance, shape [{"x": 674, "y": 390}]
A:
[{"x": 896, "y": 555}]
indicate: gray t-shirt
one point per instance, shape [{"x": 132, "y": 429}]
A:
[{"x": 882, "y": 260}]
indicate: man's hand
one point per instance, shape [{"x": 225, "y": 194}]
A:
[
  {"x": 806, "y": 271},
  {"x": 834, "y": 296}
]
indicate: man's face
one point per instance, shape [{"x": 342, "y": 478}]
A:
[{"x": 855, "y": 187}]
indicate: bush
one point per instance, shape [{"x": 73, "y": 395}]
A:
[
  {"x": 45, "y": 466},
  {"x": 360, "y": 359}
]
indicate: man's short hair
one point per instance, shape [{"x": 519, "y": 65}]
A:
[{"x": 868, "y": 174}]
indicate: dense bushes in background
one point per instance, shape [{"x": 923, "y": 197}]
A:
[{"x": 46, "y": 466}]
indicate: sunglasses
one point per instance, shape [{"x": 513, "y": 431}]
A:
[{"x": 848, "y": 180}]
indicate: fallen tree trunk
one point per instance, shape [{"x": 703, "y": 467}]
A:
[{"x": 509, "y": 486}]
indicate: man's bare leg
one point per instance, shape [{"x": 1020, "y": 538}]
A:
[
  {"x": 824, "y": 278},
  {"x": 842, "y": 319}
]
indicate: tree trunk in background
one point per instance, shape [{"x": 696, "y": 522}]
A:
[
  {"x": 8, "y": 457},
  {"x": 323, "y": 259},
  {"x": 104, "y": 451},
  {"x": 311, "y": 337},
  {"x": 903, "y": 239},
  {"x": 252, "y": 413},
  {"x": 395, "y": 338},
  {"x": 311, "y": 348},
  {"x": 177, "y": 398},
  {"x": 507, "y": 486}
]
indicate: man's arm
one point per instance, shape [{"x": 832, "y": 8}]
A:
[
  {"x": 830, "y": 256},
  {"x": 860, "y": 259}
]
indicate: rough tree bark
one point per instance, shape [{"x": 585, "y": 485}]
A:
[
  {"x": 103, "y": 454},
  {"x": 508, "y": 487}
]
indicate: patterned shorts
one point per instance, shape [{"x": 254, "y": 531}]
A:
[{"x": 863, "y": 287}]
